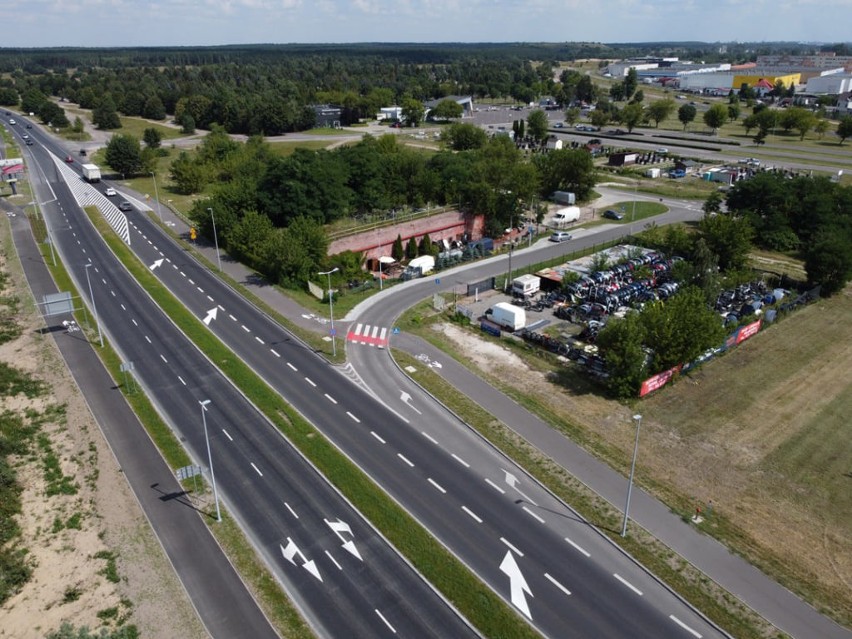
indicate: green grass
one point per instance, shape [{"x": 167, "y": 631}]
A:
[
  {"x": 477, "y": 602},
  {"x": 635, "y": 210},
  {"x": 284, "y": 148}
]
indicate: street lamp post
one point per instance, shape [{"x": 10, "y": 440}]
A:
[
  {"x": 210, "y": 457},
  {"x": 331, "y": 308},
  {"x": 157, "y": 197},
  {"x": 94, "y": 307},
  {"x": 638, "y": 419},
  {"x": 215, "y": 238}
]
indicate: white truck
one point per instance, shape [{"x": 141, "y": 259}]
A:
[
  {"x": 91, "y": 172},
  {"x": 565, "y": 215},
  {"x": 508, "y": 316},
  {"x": 418, "y": 267},
  {"x": 526, "y": 285}
]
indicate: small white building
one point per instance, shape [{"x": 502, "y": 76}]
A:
[
  {"x": 554, "y": 143},
  {"x": 830, "y": 84},
  {"x": 391, "y": 113}
]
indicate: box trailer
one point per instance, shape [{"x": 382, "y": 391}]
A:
[
  {"x": 526, "y": 285},
  {"x": 91, "y": 172},
  {"x": 508, "y": 316}
]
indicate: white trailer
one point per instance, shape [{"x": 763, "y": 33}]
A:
[
  {"x": 508, "y": 316},
  {"x": 91, "y": 173},
  {"x": 526, "y": 285}
]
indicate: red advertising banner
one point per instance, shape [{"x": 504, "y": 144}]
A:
[
  {"x": 658, "y": 381},
  {"x": 747, "y": 331}
]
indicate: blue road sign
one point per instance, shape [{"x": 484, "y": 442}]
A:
[
  {"x": 333, "y": 332},
  {"x": 395, "y": 330},
  {"x": 437, "y": 280}
]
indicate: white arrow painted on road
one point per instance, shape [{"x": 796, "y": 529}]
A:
[
  {"x": 405, "y": 397},
  {"x": 435, "y": 365},
  {"x": 211, "y": 315},
  {"x": 339, "y": 528},
  {"x": 513, "y": 482},
  {"x": 518, "y": 585},
  {"x": 156, "y": 264},
  {"x": 292, "y": 550}
]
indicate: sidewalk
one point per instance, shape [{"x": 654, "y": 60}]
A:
[{"x": 774, "y": 602}]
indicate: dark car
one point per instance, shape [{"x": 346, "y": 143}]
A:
[
  {"x": 29, "y": 126},
  {"x": 612, "y": 215},
  {"x": 125, "y": 206},
  {"x": 29, "y": 142}
]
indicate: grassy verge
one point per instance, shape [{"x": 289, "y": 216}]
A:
[
  {"x": 478, "y": 603},
  {"x": 725, "y": 610}
]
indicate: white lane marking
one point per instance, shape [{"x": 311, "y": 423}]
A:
[
  {"x": 122, "y": 308},
  {"x": 182, "y": 273},
  {"x": 685, "y": 627},
  {"x": 290, "y": 508},
  {"x": 134, "y": 322},
  {"x": 577, "y": 547},
  {"x": 112, "y": 292},
  {"x": 382, "y": 617},
  {"x": 221, "y": 308},
  {"x": 460, "y": 460},
  {"x": 163, "y": 357},
  {"x": 227, "y": 434},
  {"x": 149, "y": 339},
  {"x": 330, "y": 398},
  {"x": 517, "y": 552},
  {"x": 273, "y": 351},
  {"x": 291, "y": 366},
  {"x": 201, "y": 290},
  {"x": 436, "y": 485},
  {"x": 339, "y": 567},
  {"x": 256, "y": 469},
  {"x": 310, "y": 381},
  {"x": 495, "y": 486},
  {"x": 478, "y": 520},
  {"x": 232, "y": 317},
  {"x": 191, "y": 282},
  {"x": 373, "y": 433},
  {"x": 405, "y": 459},
  {"x": 209, "y": 297},
  {"x": 181, "y": 380},
  {"x": 533, "y": 515},
  {"x": 557, "y": 584},
  {"x": 168, "y": 260},
  {"x": 259, "y": 340},
  {"x": 355, "y": 419},
  {"x": 627, "y": 583},
  {"x": 245, "y": 328},
  {"x": 429, "y": 437}
]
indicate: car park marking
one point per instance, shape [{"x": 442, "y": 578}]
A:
[
  {"x": 557, "y": 584},
  {"x": 495, "y": 486},
  {"x": 437, "y": 485},
  {"x": 578, "y": 548},
  {"x": 517, "y": 552},
  {"x": 473, "y": 515},
  {"x": 627, "y": 583},
  {"x": 685, "y": 627},
  {"x": 533, "y": 515}
]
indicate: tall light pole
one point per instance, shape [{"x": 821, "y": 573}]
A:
[
  {"x": 638, "y": 419},
  {"x": 209, "y": 456},
  {"x": 94, "y": 307},
  {"x": 157, "y": 197},
  {"x": 215, "y": 238},
  {"x": 331, "y": 308}
]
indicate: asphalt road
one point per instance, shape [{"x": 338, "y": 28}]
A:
[{"x": 344, "y": 577}]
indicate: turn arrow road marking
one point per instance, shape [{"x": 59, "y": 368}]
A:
[
  {"x": 518, "y": 585},
  {"x": 156, "y": 264},
  {"x": 339, "y": 528},
  {"x": 292, "y": 550}
]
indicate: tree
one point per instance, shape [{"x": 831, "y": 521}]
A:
[
  {"x": 104, "y": 115},
  {"x": 600, "y": 117},
  {"x": 686, "y": 114},
  {"x": 124, "y": 154},
  {"x": 537, "y": 125},
  {"x": 844, "y": 128},
  {"x": 616, "y": 92},
  {"x": 52, "y": 113},
  {"x": 631, "y": 81},
  {"x": 446, "y": 110},
  {"x": 828, "y": 261},
  {"x": 820, "y": 127},
  {"x": 32, "y": 101},
  {"x": 397, "y": 250},
  {"x": 729, "y": 238},
  {"x": 638, "y": 96},
  {"x": 187, "y": 124},
  {"x": 411, "y": 249},
  {"x": 461, "y": 136},
  {"x": 620, "y": 343},
  {"x": 8, "y": 96},
  {"x": 154, "y": 109},
  {"x": 734, "y": 111},
  {"x": 152, "y": 138},
  {"x": 572, "y": 115},
  {"x": 570, "y": 170},
  {"x": 631, "y": 115},
  {"x": 412, "y": 112},
  {"x": 716, "y": 116},
  {"x": 713, "y": 203},
  {"x": 660, "y": 110},
  {"x": 187, "y": 174}
]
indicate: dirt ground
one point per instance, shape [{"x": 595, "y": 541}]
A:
[
  {"x": 68, "y": 583},
  {"x": 766, "y": 443}
]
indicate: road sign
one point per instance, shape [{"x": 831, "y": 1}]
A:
[
  {"x": 333, "y": 332},
  {"x": 187, "y": 471},
  {"x": 395, "y": 330}
]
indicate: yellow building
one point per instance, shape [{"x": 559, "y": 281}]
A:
[{"x": 755, "y": 77}]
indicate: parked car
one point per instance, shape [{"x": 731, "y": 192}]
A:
[
  {"x": 110, "y": 192},
  {"x": 661, "y": 151},
  {"x": 83, "y": 152},
  {"x": 558, "y": 125},
  {"x": 29, "y": 126},
  {"x": 560, "y": 236},
  {"x": 125, "y": 206},
  {"x": 612, "y": 215}
]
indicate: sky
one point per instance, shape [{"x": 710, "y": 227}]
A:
[{"x": 111, "y": 23}]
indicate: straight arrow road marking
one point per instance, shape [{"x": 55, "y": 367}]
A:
[
  {"x": 513, "y": 482},
  {"x": 340, "y": 528},
  {"x": 406, "y": 398},
  {"x": 211, "y": 315},
  {"x": 517, "y": 584},
  {"x": 292, "y": 550},
  {"x": 156, "y": 264}
]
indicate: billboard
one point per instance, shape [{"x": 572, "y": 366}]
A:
[
  {"x": 747, "y": 331},
  {"x": 658, "y": 381}
]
